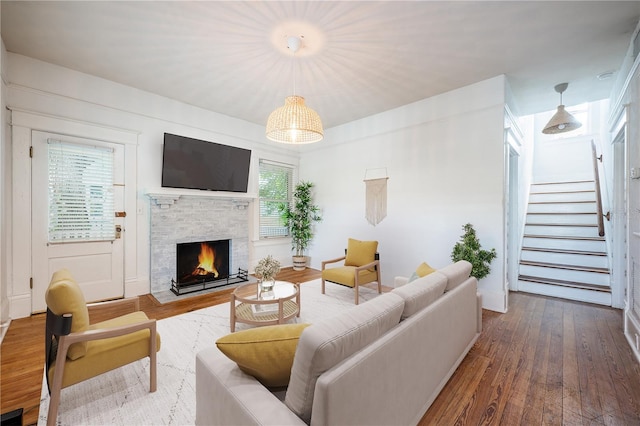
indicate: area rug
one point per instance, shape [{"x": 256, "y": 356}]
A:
[{"x": 121, "y": 396}]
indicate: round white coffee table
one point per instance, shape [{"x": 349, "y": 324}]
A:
[{"x": 267, "y": 308}]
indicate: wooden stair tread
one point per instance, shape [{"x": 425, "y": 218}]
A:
[
  {"x": 563, "y": 202},
  {"x": 567, "y": 182},
  {"x": 562, "y": 213},
  {"x": 559, "y": 237},
  {"x": 565, "y": 251},
  {"x": 565, "y": 267},
  {"x": 577, "y": 225},
  {"x": 563, "y": 283},
  {"x": 579, "y": 191}
]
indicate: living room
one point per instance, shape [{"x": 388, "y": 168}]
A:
[{"x": 444, "y": 156}]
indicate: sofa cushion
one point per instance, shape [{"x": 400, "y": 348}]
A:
[
  {"x": 456, "y": 273},
  {"x": 64, "y": 296},
  {"x": 327, "y": 343},
  {"x": 360, "y": 252},
  {"x": 265, "y": 353},
  {"x": 420, "y": 293}
]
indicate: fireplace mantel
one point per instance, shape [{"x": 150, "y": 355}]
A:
[{"x": 166, "y": 197}]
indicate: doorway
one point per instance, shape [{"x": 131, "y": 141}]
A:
[{"x": 95, "y": 258}]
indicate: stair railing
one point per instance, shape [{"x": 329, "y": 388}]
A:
[{"x": 596, "y": 176}]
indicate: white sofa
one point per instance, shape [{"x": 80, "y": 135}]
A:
[{"x": 382, "y": 362}]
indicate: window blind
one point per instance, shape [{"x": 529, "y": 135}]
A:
[
  {"x": 81, "y": 197},
  {"x": 276, "y": 187}
]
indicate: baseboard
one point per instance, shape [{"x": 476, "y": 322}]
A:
[
  {"x": 3, "y": 329},
  {"x": 493, "y": 301},
  {"x": 137, "y": 287},
  {"x": 20, "y": 306}
]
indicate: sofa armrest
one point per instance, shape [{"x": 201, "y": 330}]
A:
[
  {"x": 225, "y": 395},
  {"x": 400, "y": 281}
]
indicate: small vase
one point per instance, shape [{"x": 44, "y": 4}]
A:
[{"x": 267, "y": 285}]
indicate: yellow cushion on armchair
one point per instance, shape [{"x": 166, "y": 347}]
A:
[
  {"x": 64, "y": 296},
  {"x": 360, "y": 252},
  {"x": 346, "y": 275}
]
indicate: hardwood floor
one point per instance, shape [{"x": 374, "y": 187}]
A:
[{"x": 546, "y": 361}]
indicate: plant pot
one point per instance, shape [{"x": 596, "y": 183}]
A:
[{"x": 299, "y": 263}]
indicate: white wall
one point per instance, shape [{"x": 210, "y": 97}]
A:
[
  {"x": 445, "y": 161},
  {"x": 49, "y": 90},
  {"x": 444, "y": 157}
]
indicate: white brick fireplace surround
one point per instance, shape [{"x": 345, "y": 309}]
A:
[{"x": 188, "y": 218}]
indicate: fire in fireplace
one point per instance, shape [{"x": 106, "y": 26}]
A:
[
  {"x": 202, "y": 261},
  {"x": 204, "y": 264}
]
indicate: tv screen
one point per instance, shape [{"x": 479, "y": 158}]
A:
[{"x": 197, "y": 164}]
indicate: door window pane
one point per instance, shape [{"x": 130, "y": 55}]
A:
[{"x": 81, "y": 198}]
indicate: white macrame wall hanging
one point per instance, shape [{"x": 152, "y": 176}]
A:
[{"x": 376, "y": 197}]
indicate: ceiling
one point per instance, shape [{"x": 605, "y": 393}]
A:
[{"x": 358, "y": 58}]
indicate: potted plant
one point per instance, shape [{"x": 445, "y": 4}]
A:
[
  {"x": 469, "y": 249},
  {"x": 267, "y": 269},
  {"x": 299, "y": 217}
]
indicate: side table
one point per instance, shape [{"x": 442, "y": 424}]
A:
[{"x": 273, "y": 307}]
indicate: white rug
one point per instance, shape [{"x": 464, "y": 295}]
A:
[{"x": 121, "y": 396}]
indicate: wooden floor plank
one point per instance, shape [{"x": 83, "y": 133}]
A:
[
  {"x": 586, "y": 332},
  {"x": 571, "y": 400},
  {"x": 552, "y": 406},
  {"x": 536, "y": 391},
  {"x": 513, "y": 406},
  {"x": 546, "y": 361}
]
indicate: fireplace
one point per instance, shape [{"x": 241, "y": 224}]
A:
[
  {"x": 202, "y": 265},
  {"x": 177, "y": 219}
]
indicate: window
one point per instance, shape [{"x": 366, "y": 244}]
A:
[
  {"x": 81, "y": 199},
  {"x": 276, "y": 186}
]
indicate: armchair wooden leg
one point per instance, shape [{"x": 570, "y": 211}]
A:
[
  {"x": 322, "y": 285},
  {"x": 54, "y": 401},
  {"x": 153, "y": 367},
  {"x": 56, "y": 387},
  {"x": 355, "y": 288}
]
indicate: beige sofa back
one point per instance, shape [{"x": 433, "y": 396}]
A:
[
  {"x": 327, "y": 343},
  {"x": 404, "y": 369}
]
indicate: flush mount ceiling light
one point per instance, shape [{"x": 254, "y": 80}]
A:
[
  {"x": 294, "y": 123},
  {"x": 561, "y": 121}
]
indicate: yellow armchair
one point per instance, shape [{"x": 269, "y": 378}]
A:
[
  {"x": 91, "y": 349},
  {"x": 361, "y": 266}
]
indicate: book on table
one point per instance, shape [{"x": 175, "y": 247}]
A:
[{"x": 267, "y": 309}]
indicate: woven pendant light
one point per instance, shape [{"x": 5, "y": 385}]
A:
[
  {"x": 561, "y": 121},
  {"x": 294, "y": 123}
]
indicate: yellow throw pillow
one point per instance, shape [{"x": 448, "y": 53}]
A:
[
  {"x": 64, "y": 296},
  {"x": 421, "y": 271},
  {"x": 360, "y": 252},
  {"x": 265, "y": 353},
  {"x": 424, "y": 269}
]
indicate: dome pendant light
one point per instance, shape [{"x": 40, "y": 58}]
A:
[
  {"x": 294, "y": 123},
  {"x": 561, "y": 121}
]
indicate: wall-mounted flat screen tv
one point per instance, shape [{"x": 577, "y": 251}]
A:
[{"x": 197, "y": 164}]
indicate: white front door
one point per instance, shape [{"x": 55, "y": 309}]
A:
[{"x": 95, "y": 262}]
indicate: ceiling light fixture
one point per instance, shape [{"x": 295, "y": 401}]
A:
[
  {"x": 294, "y": 123},
  {"x": 561, "y": 121}
]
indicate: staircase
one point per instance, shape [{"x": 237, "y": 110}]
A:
[{"x": 562, "y": 254}]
